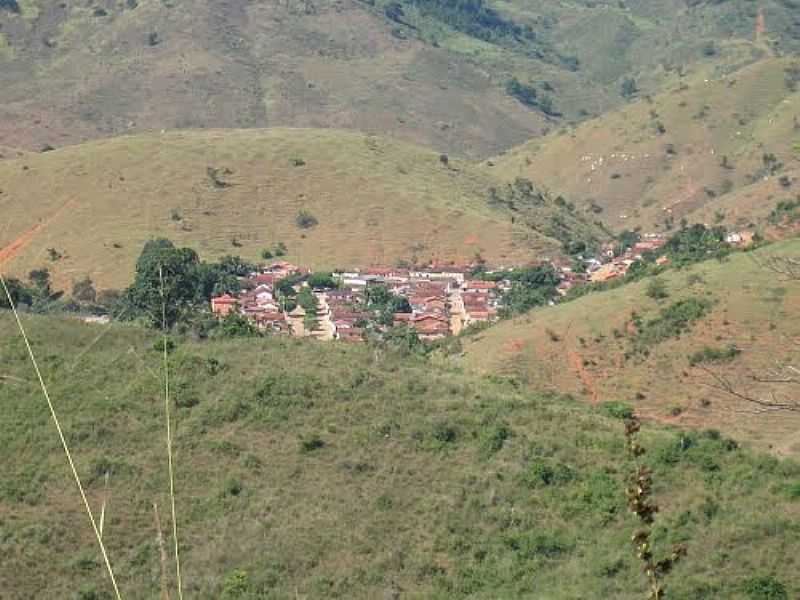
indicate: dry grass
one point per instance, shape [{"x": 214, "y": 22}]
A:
[
  {"x": 621, "y": 163},
  {"x": 754, "y": 310},
  {"x": 376, "y": 200}
]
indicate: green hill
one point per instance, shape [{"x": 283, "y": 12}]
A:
[
  {"x": 328, "y": 470},
  {"x": 374, "y": 200},
  {"x": 592, "y": 347}
]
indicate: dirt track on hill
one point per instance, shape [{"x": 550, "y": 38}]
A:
[{"x": 12, "y": 249}]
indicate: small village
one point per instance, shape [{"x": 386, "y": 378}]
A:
[
  {"x": 440, "y": 302},
  {"x": 437, "y": 301}
]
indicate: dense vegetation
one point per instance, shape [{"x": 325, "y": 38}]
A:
[{"x": 330, "y": 470}]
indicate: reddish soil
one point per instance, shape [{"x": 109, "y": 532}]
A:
[{"x": 12, "y": 249}]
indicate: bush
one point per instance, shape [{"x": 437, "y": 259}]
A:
[
  {"x": 657, "y": 289},
  {"x": 236, "y": 585},
  {"x": 674, "y": 320},
  {"x": 765, "y": 587},
  {"x": 311, "y": 443},
  {"x": 714, "y": 355},
  {"x": 493, "y": 437},
  {"x": 548, "y": 473},
  {"x": 305, "y": 220},
  {"x": 617, "y": 410}
]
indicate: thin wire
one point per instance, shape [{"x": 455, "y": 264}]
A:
[
  {"x": 169, "y": 436},
  {"x": 61, "y": 437}
]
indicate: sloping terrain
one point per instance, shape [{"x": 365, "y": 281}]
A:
[
  {"x": 590, "y": 347},
  {"x": 711, "y": 140},
  {"x": 116, "y": 67},
  {"x": 428, "y": 71},
  {"x": 333, "y": 471},
  {"x": 374, "y": 200}
]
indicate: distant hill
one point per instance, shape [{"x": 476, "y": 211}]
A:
[
  {"x": 711, "y": 139},
  {"x": 433, "y": 72},
  {"x": 335, "y": 471},
  {"x": 581, "y": 346},
  {"x": 372, "y": 201}
]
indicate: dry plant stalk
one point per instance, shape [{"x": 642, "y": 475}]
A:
[
  {"x": 638, "y": 493},
  {"x": 163, "y": 554}
]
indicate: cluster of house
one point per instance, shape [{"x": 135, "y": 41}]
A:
[
  {"x": 442, "y": 302},
  {"x": 612, "y": 264}
]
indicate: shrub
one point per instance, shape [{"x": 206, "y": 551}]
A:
[
  {"x": 236, "y": 585},
  {"x": 311, "y": 443},
  {"x": 83, "y": 290},
  {"x": 657, "y": 289},
  {"x": 444, "y": 433},
  {"x": 617, "y": 410},
  {"x": 548, "y": 473},
  {"x": 493, "y": 437},
  {"x": 297, "y": 162},
  {"x": 714, "y": 355},
  {"x": 765, "y": 587},
  {"x": 305, "y": 220},
  {"x": 674, "y": 320}
]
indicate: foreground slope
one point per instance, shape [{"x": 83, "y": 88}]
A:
[
  {"x": 710, "y": 140},
  {"x": 588, "y": 346},
  {"x": 334, "y": 471},
  {"x": 376, "y": 201}
]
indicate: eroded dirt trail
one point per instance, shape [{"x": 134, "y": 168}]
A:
[
  {"x": 12, "y": 249},
  {"x": 585, "y": 377}
]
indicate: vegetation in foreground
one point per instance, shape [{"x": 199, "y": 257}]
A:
[
  {"x": 734, "y": 317},
  {"x": 343, "y": 471}
]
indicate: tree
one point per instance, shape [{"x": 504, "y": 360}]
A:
[
  {"x": 40, "y": 278},
  {"x": 236, "y": 325},
  {"x": 18, "y": 292},
  {"x": 305, "y": 220},
  {"x": 166, "y": 282},
  {"x": 83, "y": 290},
  {"x": 10, "y": 5},
  {"x": 629, "y": 88},
  {"x": 321, "y": 280}
]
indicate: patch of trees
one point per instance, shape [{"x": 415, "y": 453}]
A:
[
  {"x": 384, "y": 304},
  {"x": 530, "y": 287},
  {"x": 786, "y": 212},
  {"x": 672, "y": 321},
  {"x": 529, "y": 96},
  {"x": 171, "y": 283},
  {"x": 474, "y": 18}
]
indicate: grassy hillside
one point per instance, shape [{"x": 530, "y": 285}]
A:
[
  {"x": 428, "y": 71},
  {"x": 711, "y": 140},
  {"x": 376, "y": 201},
  {"x": 333, "y": 471},
  {"x": 122, "y": 67},
  {"x": 591, "y": 347}
]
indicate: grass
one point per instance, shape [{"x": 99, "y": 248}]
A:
[
  {"x": 638, "y": 177},
  {"x": 375, "y": 200},
  {"x": 621, "y": 345},
  {"x": 353, "y": 474}
]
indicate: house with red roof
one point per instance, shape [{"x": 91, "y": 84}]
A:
[{"x": 224, "y": 305}]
